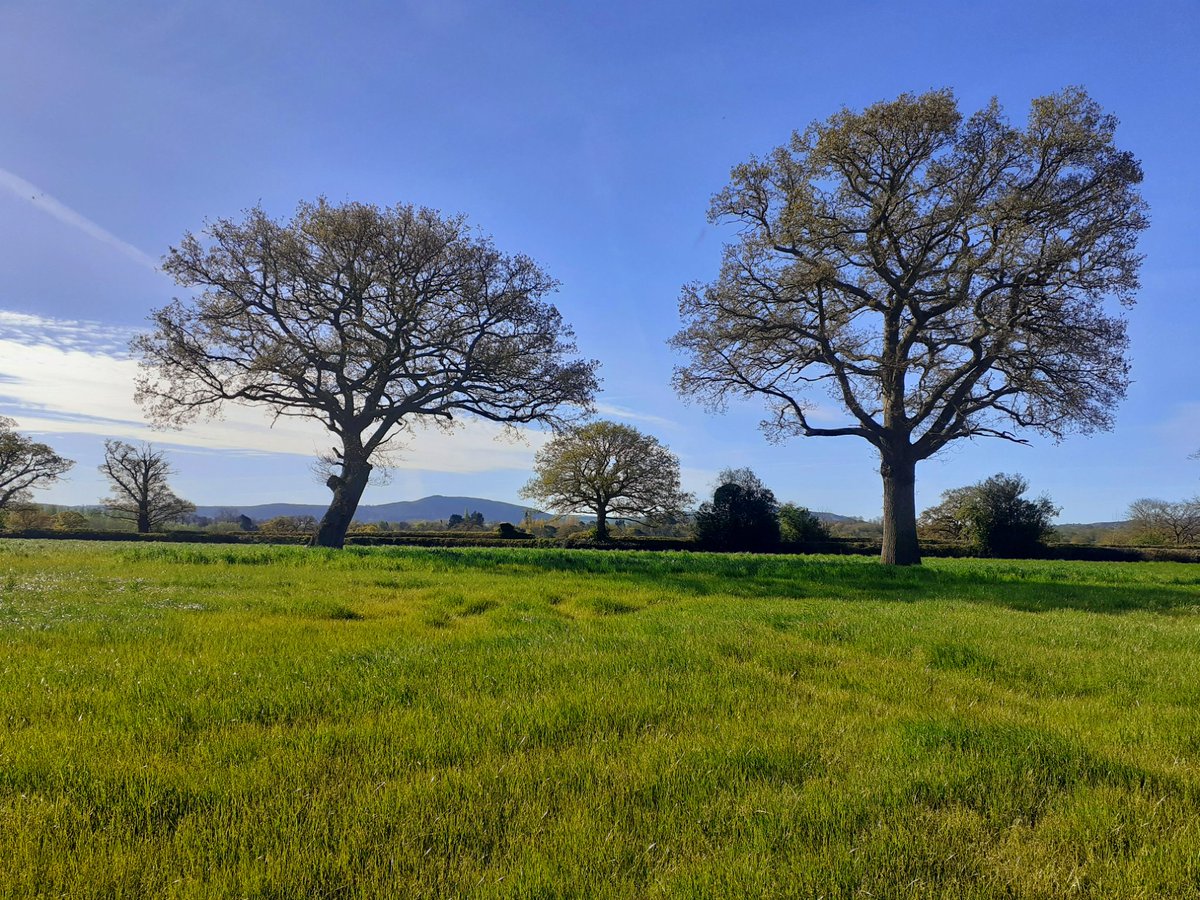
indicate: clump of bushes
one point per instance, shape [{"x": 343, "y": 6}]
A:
[
  {"x": 992, "y": 517},
  {"x": 742, "y": 515},
  {"x": 799, "y": 526},
  {"x": 509, "y": 531}
]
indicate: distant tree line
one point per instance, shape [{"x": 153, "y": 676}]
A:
[
  {"x": 596, "y": 477},
  {"x": 1163, "y": 522}
]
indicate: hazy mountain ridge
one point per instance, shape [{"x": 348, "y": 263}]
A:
[
  {"x": 835, "y": 517},
  {"x": 434, "y": 508},
  {"x": 438, "y": 508}
]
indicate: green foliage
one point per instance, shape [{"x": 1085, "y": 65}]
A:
[
  {"x": 608, "y": 469},
  {"x": 993, "y": 517},
  {"x": 285, "y": 722},
  {"x": 70, "y": 520},
  {"x": 469, "y": 521},
  {"x": 27, "y": 517},
  {"x": 799, "y": 526},
  {"x": 742, "y": 515},
  {"x": 226, "y": 528}
]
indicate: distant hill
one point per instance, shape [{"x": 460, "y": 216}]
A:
[
  {"x": 437, "y": 508},
  {"x": 427, "y": 509},
  {"x": 834, "y": 517},
  {"x": 1089, "y": 532}
]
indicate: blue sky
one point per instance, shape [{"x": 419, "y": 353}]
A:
[{"x": 589, "y": 136}]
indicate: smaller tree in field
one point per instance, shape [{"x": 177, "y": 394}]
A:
[
  {"x": 993, "y": 516},
  {"x": 742, "y": 515},
  {"x": 797, "y": 525},
  {"x": 138, "y": 477},
  {"x": 70, "y": 520},
  {"x": 25, "y": 465},
  {"x": 367, "y": 320},
  {"x": 468, "y": 521},
  {"x": 607, "y": 469}
]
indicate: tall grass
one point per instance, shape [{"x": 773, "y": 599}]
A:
[{"x": 183, "y": 721}]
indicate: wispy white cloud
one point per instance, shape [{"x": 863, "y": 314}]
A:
[
  {"x": 39, "y": 199},
  {"x": 621, "y": 412},
  {"x": 55, "y": 379},
  {"x": 70, "y": 334}
]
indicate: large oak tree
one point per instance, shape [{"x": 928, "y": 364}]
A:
[
  {"x": 362, "y": 319},
  {"x": 940, "y": 277}
]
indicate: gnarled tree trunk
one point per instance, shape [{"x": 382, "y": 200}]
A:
[
  {"x": 900, "y": 546},
  {"x": 347, "y": 491},
  {"x": 602, "y": 522}
]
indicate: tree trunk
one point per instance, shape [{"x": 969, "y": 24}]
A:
[
  {"x": 601, "y": 524},
  {"x": 347, "y": 491},
  {"x": 143, "y": 519},
  {"x": 900, "y": 546}
]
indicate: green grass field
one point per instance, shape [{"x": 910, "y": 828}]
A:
[{"x": 278, "y": 722}]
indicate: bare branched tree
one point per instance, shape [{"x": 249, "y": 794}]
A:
[
  {"x": 137, "y": 477},
  {"x": 25, "y": 465},
  {"x": 607, "y": 469},
  {"x": 941, "y": 278},
  {"x": 1165, "y": 521},
  {"x": 362, "y": 319}
]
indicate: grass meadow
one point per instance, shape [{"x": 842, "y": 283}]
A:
[{"x": 278, "y": 722}]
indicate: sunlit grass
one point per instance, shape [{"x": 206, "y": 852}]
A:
[{"x": 184, "y": 721}]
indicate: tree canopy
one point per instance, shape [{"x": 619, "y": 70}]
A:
[
  {"x": 941, "y": 277},
  {"x": 362, "y": 319},
  {"x": 25, "y": 465},
  {"x": 607, "y": 469}
]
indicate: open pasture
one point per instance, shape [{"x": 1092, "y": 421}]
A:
[{"x": 278, "y": 722}]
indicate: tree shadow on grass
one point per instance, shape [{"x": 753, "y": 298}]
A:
[
  {"x": 1109, "y": 599},
  {"x": 1030, "y": 586},
  {"x": 1024, "y": 585}
]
